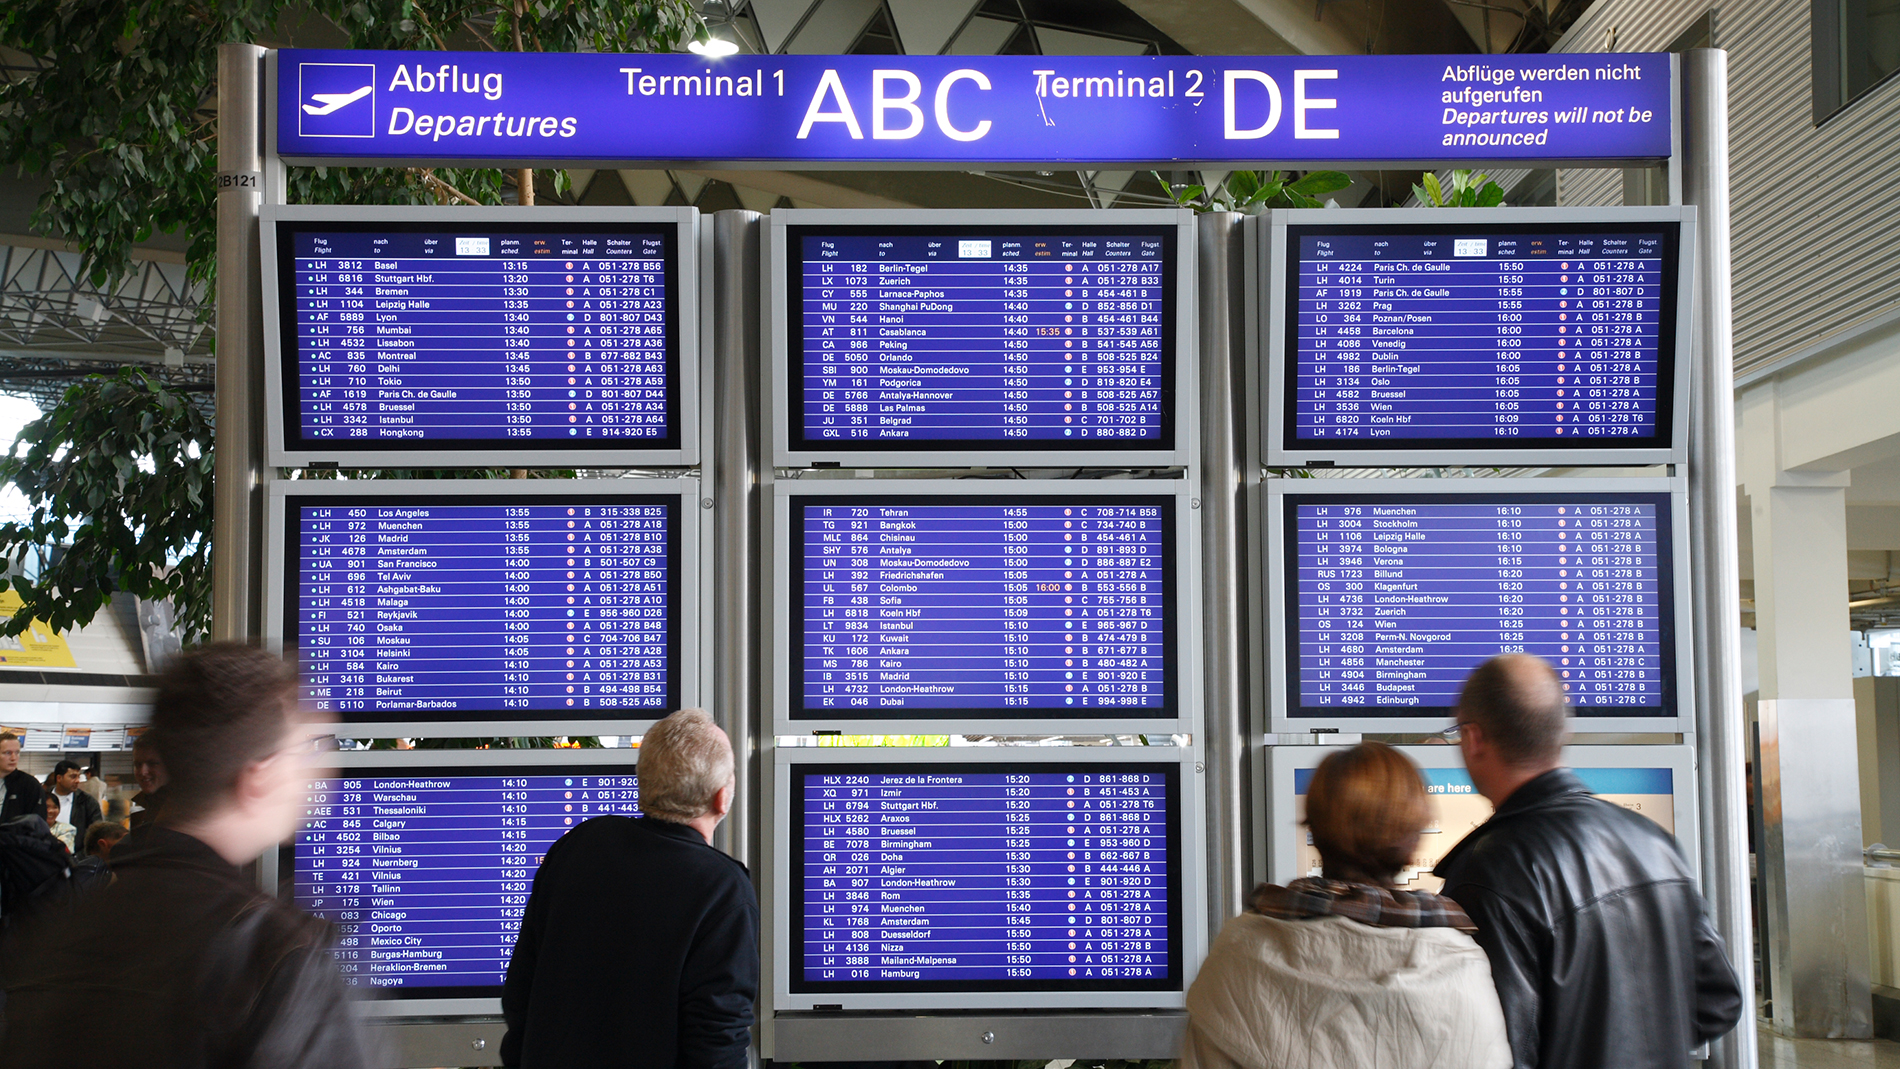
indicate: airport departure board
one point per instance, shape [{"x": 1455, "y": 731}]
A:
[
  {"x": 910, "y": 338},
  {"x": 1394, "y": 599},
  {"x": 426, "y": 874},
  {"x": 986, "y": 877},
  {"x": 445, "y": 607},
  {"x": 936, "y": 607},
  {"x": 1486, "y": 337},
  {"x": 408, "y": 336}
]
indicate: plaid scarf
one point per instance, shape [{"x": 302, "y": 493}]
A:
[{"x": 1381, "y": 907}]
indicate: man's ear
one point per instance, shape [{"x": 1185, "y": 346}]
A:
[{"x": 722, "y": 798}]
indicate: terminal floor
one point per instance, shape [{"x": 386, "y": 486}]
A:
[{"x": 1779, "y": 1053}]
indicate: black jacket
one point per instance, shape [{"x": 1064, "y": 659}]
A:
[
  {"x": 1600, "y": 944},
  {"x": 85, "y": 812},
  {"x": 25, "y": 797},
  {"x": 199, "y": 970},
  {"x": 640, "y": 948}
]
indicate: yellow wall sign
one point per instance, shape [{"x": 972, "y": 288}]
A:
[{"x": 39, "y": 646}]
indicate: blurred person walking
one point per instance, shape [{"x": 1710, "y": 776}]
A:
[
  {"x": 1348, "y": 970},
  {"x": 1600, "y": 945},
  {"x": 200, "y": 968},
  {"x": 20, "y": 793},
  {"x": 640, "y": 947}
]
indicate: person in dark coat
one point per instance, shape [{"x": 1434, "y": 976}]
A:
[
  {"x": 76, "y": 807},
  {"x": 199, "y": 966},
  {"x": 20, "y": 794},
  {"x": 1600, "y": 944},
  {"x": 640, "y": 947}
]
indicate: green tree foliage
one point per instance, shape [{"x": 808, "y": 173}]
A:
[
  {"x": 118, "y": 110},
  {"x": 1252, "y": 192},
  {"x": 119, "y": 477},
  {"x": 1468, "y": 189}
]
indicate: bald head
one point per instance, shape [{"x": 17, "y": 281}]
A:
[{"x": 1517, "y": 701}]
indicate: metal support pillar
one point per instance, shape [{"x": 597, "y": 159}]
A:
[
  {"x": 1224, "y": 742},
  {"x": 238, "y": 462},
  {"x": 735, "y": 465},
  {"x": 1721, "y": 728}
]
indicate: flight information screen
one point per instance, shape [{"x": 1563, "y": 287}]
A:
[
  {"x": 982, "y": 338},
  {"x": 413, "y": 336},
  {"x": 1457, "y": 808},
  {"x": 426, "y": 874},
  {"x": 1003, "y": 606},
  {"x": 986, "y": 877},
  {"x": 437, "y": 608},
  {"x": 1491, "y": 338},
  {"x": 1395, "y": 599}
]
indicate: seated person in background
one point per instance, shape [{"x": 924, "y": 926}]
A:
[
  {"x": 1345, "y": 970},
  {"x": 149, "y": 770},
  {"x": 61, "y": 830},
  {"x": 76, "y": 807},
  {"x": 92, "y": 870}
]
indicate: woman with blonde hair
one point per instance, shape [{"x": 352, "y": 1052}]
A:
[{"x": 1346, "y": 969}]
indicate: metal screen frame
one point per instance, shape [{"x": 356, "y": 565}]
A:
[
  {"x": 694, "y": 592},
  {"x": 1280, "y": 643},
  {"x": 1186, "y": 653},
  {"x": 778, "y": 294},
  {"x": 1268, "y": 306},
  {"x": 779, "y": 868},
  {"x": 686, "y": 282}
]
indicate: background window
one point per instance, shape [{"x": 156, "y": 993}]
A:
[{"x": 1856, "y": 48}]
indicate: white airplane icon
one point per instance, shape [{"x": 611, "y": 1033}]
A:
[{"x": 333, "y": 101}]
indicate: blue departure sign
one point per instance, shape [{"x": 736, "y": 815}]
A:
[
  {"x": 1394, "y": 599},
  {"x": 982, "y": 338},
  {"x": 440, "y": 607},
  {"x": 1488, "y": 337},
  {"x": 985, "y": 877},
  {"x": 401, "y": 336},
  {"x": 426, "y": 874},
  {"x": 1030, "y": 607}
]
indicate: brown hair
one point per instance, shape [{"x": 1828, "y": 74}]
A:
[
  {"x": 1518, "y": 702},
  {"x": 102, "y": 831},
  {"x": 1366, "y": 807},
  {"x": 218, "y": 709}
]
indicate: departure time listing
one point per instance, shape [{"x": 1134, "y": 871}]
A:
[
  {"x": 1408, "y": 336},
  {"x": 1003, "y": 606},
  {"x": 925, "y": 875},
  {"x": 427, "y": 337},
  {"x": 426, "y": 876},
  {"x": 425, "y": 609},
  {"x": 1398, "y": 600},
  {"x": 1001, "y": 339}
]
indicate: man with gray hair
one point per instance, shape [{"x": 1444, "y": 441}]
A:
[
  {"x": 1600, "y": 945},
  {"x": 640, "y": 944}
]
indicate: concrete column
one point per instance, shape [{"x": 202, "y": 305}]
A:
[{"x": 1810, "y": 862}]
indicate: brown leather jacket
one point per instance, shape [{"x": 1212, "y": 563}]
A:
[{"x": 195, "y": 965}]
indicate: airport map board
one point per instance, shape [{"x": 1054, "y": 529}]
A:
[
  {"x": 956, "y": 605},
  {"x": 982, "y": 338},
  {"x": 412, "y": 337},
  {"x": 424, "y": 861},
  {"x": 538, "y": 603},
  {"x": 1399, "y": 338},
  {"x": 984, "y": 878},
  {"x": 1384, "y": 595},
  {"x": 1656, "y": 781}
]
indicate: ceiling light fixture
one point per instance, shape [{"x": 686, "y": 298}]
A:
[{"x": 713, "y": 48}]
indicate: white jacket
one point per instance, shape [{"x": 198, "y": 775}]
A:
[{"x": 1331, "y": 993}]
